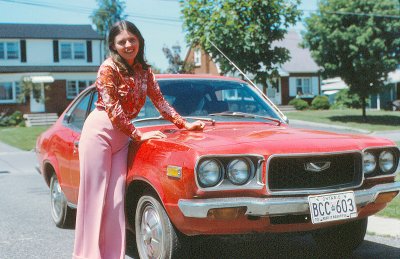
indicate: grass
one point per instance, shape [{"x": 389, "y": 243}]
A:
[
  {"x": 376, "y": 120},
  {"x": 21, "y": 137},
  {"x": 393, "y": 208}
]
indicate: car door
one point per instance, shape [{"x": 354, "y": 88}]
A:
[
  {"x": 88, "y": 104},
  {"x": 74, "y": 120}
]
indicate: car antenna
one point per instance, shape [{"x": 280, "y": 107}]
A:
[{"x": 251, "y": 82}]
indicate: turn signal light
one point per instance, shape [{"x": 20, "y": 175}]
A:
[
  {"x": 226, "y": 213},
  {"x": 386, "y": 197}
]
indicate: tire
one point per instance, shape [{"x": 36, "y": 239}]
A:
[
  {"x": 156, "y": 237},
  {"x": 341, "y": 240},
  {"x": 63, "y": 216}
]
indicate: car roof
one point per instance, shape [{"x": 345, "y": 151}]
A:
[
  {"x": 191, "y": 76},
  {"x": 195, "y": 76}
]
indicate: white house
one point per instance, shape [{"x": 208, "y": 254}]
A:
[{"x": 63, "y": 57}]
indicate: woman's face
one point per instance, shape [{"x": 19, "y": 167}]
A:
[{"x": 127, "y": 46}]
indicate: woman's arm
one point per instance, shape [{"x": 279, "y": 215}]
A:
[
  {"x": 168, "y": 112},
  {"x": 154, "y": 93}
]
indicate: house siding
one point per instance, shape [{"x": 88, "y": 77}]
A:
[
  {"x": 207, "y": 65},
  {"x": 40, "y": 54}
]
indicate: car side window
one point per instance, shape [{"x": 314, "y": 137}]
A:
[{"x": 78, "y": 115}]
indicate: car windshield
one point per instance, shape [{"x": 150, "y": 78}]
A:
[{"x": 209, "y": 97}]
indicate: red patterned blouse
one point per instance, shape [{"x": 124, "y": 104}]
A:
[{"x": 122, "y": 97}]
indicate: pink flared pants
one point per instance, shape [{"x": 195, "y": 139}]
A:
[{"x": 100, "y": 219}]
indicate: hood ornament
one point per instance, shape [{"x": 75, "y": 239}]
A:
[{"x": 317, "y": 166}]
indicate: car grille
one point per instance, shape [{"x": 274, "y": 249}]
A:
[{"x": 289, "y": 173}]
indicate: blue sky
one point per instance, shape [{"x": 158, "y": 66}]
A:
[{"x": 159, "y": 20}]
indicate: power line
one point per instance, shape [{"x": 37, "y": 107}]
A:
[
  {"x": 353, "y": 13},
  {"x": 365, "y": 14},
  {"x": 89, "y": 11}
]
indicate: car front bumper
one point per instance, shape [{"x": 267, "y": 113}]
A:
[{"x": 274, "y": 206}]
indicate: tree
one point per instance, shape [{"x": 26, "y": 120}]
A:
[
  {"x": 244, "y": 30},
  {"x": 108, "y": 13},
  {"x": 176, "y": 64},
  {"x": 357, "y": 40}
]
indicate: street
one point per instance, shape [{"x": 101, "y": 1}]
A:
[{"x": 27, "y": 230}]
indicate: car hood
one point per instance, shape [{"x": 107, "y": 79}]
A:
[{"x": 266, "y": 138}]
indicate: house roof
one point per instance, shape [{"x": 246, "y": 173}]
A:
[
  {"x": 48, "y": 31},
  {"x": 301, "y": 60},
  {"x": 26, "y": 69}
]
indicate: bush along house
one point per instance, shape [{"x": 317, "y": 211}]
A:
[
  {"x": 57, "y": 61},
  {"x": 300, "y": 76}
]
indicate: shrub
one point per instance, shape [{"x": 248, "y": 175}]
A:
[
  {"x": 320, "y": 103},
  {"x": 15, "y": 119},
  {"x": 299, "y": 104},
  {"x": 344, "y": 99}
]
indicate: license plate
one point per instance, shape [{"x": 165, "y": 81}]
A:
[{"x": 332, "y": 206}]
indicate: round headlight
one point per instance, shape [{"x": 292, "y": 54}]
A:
[
  {"x": 210, "y": 173},
  {"x": 386, "y": 161},
  {"x": 369, "y": 163},
  {"x": 239, "y": 171}
]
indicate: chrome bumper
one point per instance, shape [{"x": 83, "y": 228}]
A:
[{"x": 273, "y": 206}]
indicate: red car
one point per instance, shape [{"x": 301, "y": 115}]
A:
[{"x": 247, "y": 172}]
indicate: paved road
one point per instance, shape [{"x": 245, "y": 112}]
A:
[{"x": 27, "y": 230}]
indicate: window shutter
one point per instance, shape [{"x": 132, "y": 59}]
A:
[
  {"x": 89, "y": 51},
  {"x": 55, "y": 51},
  {"x": 23, "y": 50}
]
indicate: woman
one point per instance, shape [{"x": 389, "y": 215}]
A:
[{"x": 123, "y": 82}]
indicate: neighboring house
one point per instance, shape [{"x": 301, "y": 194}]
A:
[
  {"x": 330, "y": 87},
  {"x": 300, "y": 75},
  {"x": 391, "y": 92},
  {"x": 62, "y": 59}
]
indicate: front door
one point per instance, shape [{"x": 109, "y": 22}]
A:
[{"x": 38, "y": 105}]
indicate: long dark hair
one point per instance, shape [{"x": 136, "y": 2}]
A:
[{"x": 116, "y": 29}]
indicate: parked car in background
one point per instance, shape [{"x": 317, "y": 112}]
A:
[{"x": 247, "y": 172}]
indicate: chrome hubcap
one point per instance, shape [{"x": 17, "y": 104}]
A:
[
  {"x": 152, "y": 232},
  {"x": 57, "y": 198}
]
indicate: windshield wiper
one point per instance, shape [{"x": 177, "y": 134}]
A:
[
  {"x": 246, "y": 115},
  {"x": 201, "y": 119},
  {"x": 186, "y": 117},
  {"x": 150, "y": 119}
]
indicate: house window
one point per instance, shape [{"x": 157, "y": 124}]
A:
[
  {"x": 9, "y": 50},
  {"x": 9, "y": 92},
  {"x": 303, "y": 86},
  {"x": 72, "y": 50},
  {"x": 74, "y": 87},
  {"x": 197, "y": 57}
]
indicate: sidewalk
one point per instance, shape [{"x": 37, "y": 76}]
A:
[
  {"x": 393, "y": 135},
  {"x": 384, "y": 226}
]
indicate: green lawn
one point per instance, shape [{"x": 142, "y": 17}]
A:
[
  {"x": 376, "y": 120},
  {"x": 21, "y": 137},
  {"x": 393, "y": 209}
]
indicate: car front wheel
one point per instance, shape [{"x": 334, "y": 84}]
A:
[
  {"x": 342, "y": 239},
  {"x": 155, "y": 235},
  {"x": 62, "y": 215}
]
